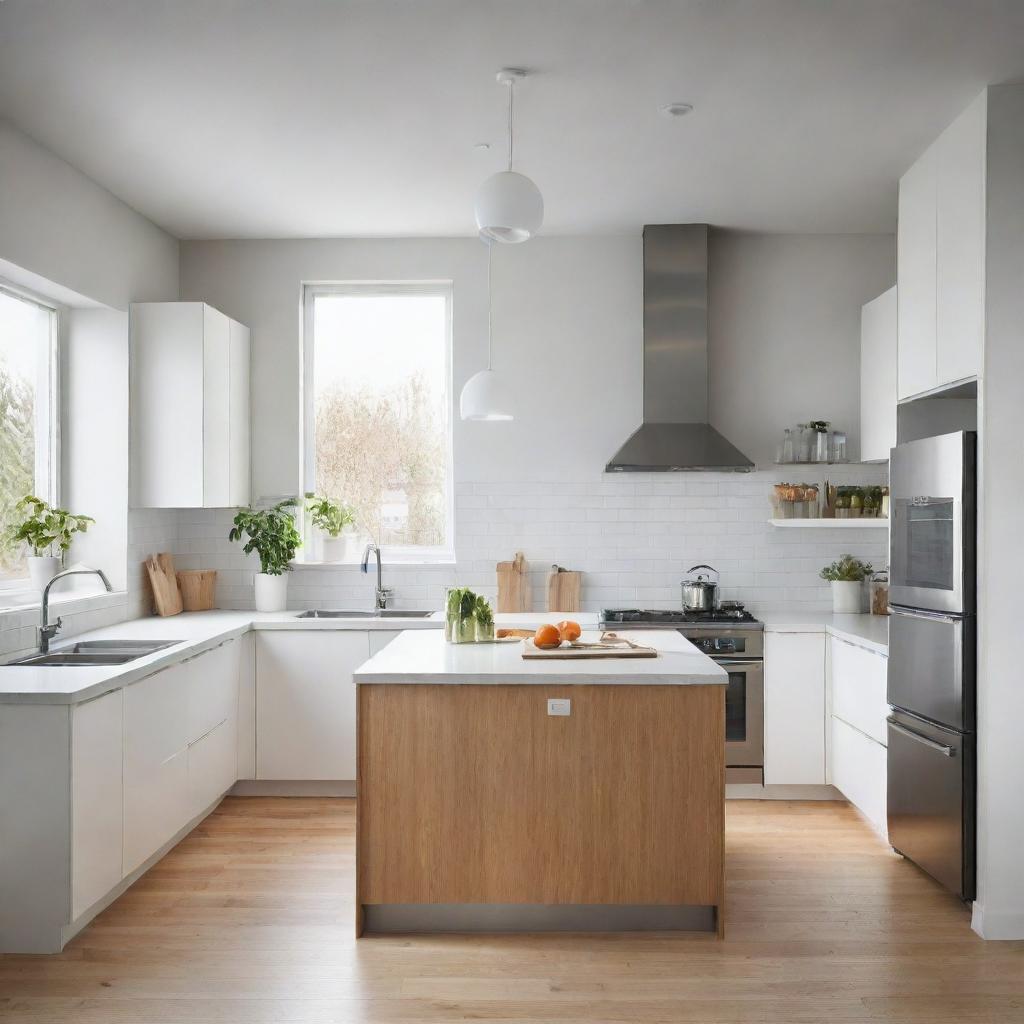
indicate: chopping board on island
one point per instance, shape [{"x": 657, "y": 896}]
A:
[
  {"x": 583, "y": 651},
  {"x": 513, "y": 585}
]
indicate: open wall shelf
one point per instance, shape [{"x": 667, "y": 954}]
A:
[{"x": 832, "y": 524}]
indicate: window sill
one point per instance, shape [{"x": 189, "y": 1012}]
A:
[
  {"x": 392, "y": 563},
  {"x": 30, "y": 601}
]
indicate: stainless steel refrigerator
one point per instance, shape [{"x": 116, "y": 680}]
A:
[{"x": 931, "y": 673}]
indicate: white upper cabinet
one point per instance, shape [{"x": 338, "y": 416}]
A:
[
  {"x": 878, "y": 377},
  {"x": 960, "y": 251},
  {"x": 915, "y": 278},
  {"x": 189, "y": 407},
  {"x": 940, "y": 256}
]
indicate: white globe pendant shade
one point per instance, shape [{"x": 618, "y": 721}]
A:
[
  {"x": 509, "y": 207},
  {"x": 484, "y": 398}
]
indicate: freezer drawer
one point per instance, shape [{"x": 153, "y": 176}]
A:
[
  {"x": 931, "y": 800},
  {"x": 931, "y": 666}
]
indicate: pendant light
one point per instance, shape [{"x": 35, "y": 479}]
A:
[
  {"x": 509, "y": 207},
  {"x": 483, "y": 395}
]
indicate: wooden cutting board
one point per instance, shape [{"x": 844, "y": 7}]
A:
[
  {"x": 164, "y": 583},
  {"x": 563, "y": 590},
  {"x": 567, "y": 653},
  {"x": 513, "y": 585}
]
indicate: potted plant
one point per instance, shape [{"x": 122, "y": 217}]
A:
[
  {"x": 336, "y": 522},
  {"x": 847, "y": 576},
  {"x": 48, "y": 532},
  {"x": 272, "y": 535}
]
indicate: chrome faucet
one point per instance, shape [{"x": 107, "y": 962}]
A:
[
  {"x": 48, "y": 630},
  {"x": 382, "y": 593}
]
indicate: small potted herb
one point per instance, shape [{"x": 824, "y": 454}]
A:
[
  {"x": 47, "y": 531},
  {"x": 336, "y": 522},
  {"x": 272, "y": 535},
  {"x": 847, "y": 576}
]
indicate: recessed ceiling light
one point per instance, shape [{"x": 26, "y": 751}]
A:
[
  {"x": 676, "y": 109},
  {"x": 482, "y": 145}
]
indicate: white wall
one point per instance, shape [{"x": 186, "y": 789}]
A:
[
  {"x": 999, "y": 910},
  {"x": 785, "y": 325},
  {"x": 61, "y": 225},
  {"x": 67, "y": 238},
  {"x": 568, "y": 333}
]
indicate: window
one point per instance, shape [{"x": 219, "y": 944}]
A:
[
  {"x": 28, "y": 338},
  {"x": 377, "y": 382}
]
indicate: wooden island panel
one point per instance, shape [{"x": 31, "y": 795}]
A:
[{"x": 474, "y": 794}]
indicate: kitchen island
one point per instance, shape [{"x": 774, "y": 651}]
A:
[{"x": 497, "y": 793}]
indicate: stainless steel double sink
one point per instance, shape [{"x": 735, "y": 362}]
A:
[{"x": 87, "y": 653}]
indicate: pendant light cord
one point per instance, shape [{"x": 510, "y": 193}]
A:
[{"x": 511, "y": 92}]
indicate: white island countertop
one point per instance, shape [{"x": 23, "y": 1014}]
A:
[{"x": 426, "y": 657}]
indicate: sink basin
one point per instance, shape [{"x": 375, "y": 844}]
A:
[
  {"x": 387, "y": 613},
  {"x": 86, "y": 653}
]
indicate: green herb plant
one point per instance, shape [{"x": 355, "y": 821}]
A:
[
  {"x": 45, "y": 529},
  {"x": 847, "y": 569},
  {"x": 328, "y": 516},
  {"x": 271, "y": 534}
]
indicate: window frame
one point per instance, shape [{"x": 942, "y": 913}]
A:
[
  {"x": 48, "y": 466},
  {"x": 443, "y": 554}
]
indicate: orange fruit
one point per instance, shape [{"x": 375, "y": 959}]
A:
[
  {"x": 547, "y": 636},
  {"x": 569, "y": 630}
]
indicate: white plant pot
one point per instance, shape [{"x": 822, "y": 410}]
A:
[
  {"x": 42, "y": 569},
  {"x": 271, "y": 592},
  {"x": 847, "y": 597},
  {"x": 334, "y": 548}
]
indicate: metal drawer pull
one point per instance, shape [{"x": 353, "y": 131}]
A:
[{"x": 942, "y": 748}]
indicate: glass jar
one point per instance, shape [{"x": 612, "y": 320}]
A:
[
  {"x": 803, "y": 442},
  {"x": 788, "y": 452},
  {"x": 821, "y": 447},
  {"x": 838, "y": 446}
]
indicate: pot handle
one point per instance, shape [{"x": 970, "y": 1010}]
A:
[{"x": 710, "y": 568}]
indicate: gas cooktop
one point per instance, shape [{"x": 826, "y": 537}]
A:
[{"x": 655, "y": 617}]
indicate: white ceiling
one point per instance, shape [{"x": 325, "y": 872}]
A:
[{"x": 267, "y": 118}]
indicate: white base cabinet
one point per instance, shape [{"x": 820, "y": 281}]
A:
[
  {"x": 306, "y": 703},
  {"x": 97, "y": 727},
  {"x": 857, "y": 736},
  {"x": 794, "y": 709}
]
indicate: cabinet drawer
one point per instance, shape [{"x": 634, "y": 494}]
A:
[
  {"x": 859, "y": 771},
  {"x": 212, "y": 766},
  {"x": 155, "y": 806},
  {"x": 212, "y": 688},
  {"x": 858, "y": 688}
]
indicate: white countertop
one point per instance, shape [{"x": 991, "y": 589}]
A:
[
  {"x": 193, "y": 632},
  {"x": 424, "y": 657},
  {"x": 868, "y": 631}
]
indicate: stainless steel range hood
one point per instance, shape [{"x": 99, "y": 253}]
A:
[{"x": 675, "y": 435}]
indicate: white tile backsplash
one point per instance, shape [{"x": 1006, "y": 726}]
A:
[{"x": 632, "y": 536}]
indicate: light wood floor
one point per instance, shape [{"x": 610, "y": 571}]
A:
[{"x": 250, "y": 920}]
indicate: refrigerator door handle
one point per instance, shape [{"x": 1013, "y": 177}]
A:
[
  {"x": 942, "y": 748},
  {"x": 918, "y": 613}
]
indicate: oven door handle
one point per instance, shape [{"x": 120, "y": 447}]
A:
[
  {"x": 736, "y": 663},
  {"x": 941, "y": 748}
]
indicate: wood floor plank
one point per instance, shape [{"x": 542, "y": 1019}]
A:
[{"x": 249, "y": 919}]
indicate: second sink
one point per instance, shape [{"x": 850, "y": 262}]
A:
[{"x": 386, "y": 613}]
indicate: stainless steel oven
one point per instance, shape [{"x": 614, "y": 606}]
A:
[
  {"x": 740, "y": 651},
  {"x": 931, "y": 533}
]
